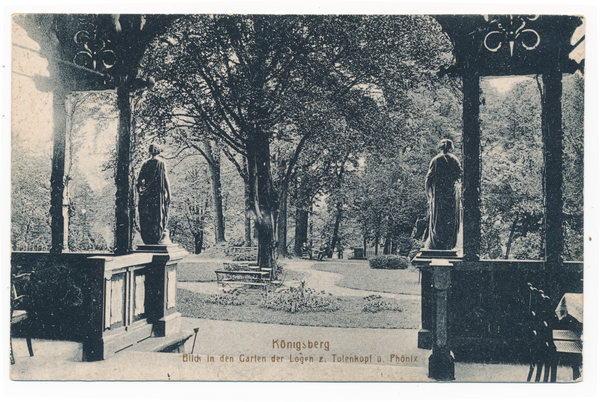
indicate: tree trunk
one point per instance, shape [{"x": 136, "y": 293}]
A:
[
  {"x": 302, "y": 205},
  {"x": 212, "y": 153},
  {"x": 336, "y": 228},
  {"x": 248, "y": 209},
  {"x": 198, "y": 240},
  {"x": 387, "y": 246},
  {"x": 263, "y": 196},
  {"x": 282, "y": 226},
  {"x": 301, "y": 234}
]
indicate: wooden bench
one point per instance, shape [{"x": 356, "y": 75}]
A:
[
  {"x": 242, "y": 274},
  {"x": 227, "y": 277},
  {"x": 245, "y": 249}
]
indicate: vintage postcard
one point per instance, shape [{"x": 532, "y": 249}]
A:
[{"x": 297, "y": 197}]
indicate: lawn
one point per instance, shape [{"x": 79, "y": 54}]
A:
[
  {"x": 349, "y": 315},
  {"x": 358, "y": 275}
]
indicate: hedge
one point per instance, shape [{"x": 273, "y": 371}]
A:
[{"x": 388, "y": 262}]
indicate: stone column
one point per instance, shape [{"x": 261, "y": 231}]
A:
[
  {"x": 441, "y": 361},
  {"x": 471, "y": 168}
]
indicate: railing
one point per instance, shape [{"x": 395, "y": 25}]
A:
[
  {"x": 488, "y": 303},
  {"x": 35, "y": 246}
]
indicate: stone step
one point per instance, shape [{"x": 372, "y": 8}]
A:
[{"x": 166, "y": 344}]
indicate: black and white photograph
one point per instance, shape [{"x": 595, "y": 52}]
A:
[{"x": 297, "y": 197}]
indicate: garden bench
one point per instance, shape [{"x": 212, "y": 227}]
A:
[
  {"x": 245, "y": 249},
  {"x": 243, "y": 274},
  {"x": 230, "y": 266},
  {"x": 238, "y": 277}
]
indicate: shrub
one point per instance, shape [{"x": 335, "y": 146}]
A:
[
  {"x": 216, "y": 251},
  {"x": 375, "y": 303},
  {"x": 242, "y": 255},
  {"x": 403, "y": 245},
  {"x": 388, "y": 262},
  {"x": 300, "y": 299},
  {"x": 229, "y": 297}
]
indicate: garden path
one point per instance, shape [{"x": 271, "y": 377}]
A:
[{"x": 326, "y": 281}]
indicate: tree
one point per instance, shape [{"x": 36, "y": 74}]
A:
[
  {"x": 30, "y": 198},
  {"x": 90, "y": 171},
  {"x": 191, "y": 202},
  {"x": 251, "y": 80},
  {"x": 512, "y": 207},
  {"x": 573, "y": 101}
]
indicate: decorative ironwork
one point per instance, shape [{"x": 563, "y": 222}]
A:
[
  {"x": 94, "y": 53},
  {"x": 511, "y": 29}
]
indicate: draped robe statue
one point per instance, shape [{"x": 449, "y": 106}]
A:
[
  {"x": 442, "y": 185},
  {"x": 155, "y": 196}
]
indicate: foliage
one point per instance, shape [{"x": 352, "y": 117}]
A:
[
  {"x": 189, "y": 210},
  {"x": 30, "y": 198},
  {"x": 512, "y": 161},
  {"x": 216, "y": 251},
  {"x": 57, "y": 295},
  {"x": 349, "y": 315},
  {"x": 300, "y": 299},
  {"x": 376, "y": 303},
  {"x": 90, "y": 170},
  {"x": 388, "y": 262},
  {"x": 380, "y": 197},
  {"x": 572, "y": 107},
  {"x": 242, "y": 255},
  {"x": 250, "y": 81},
  {"x": 229, "y": 297}
]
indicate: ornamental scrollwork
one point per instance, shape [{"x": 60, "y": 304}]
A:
[
  {"x": 93, "y": 51},
  {"x": 511, "y": 30}
]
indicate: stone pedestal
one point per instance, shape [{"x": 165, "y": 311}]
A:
[
  {"x": 441, "y": 360},
  {"x": 172, "y": 249},
  {"x": 425, "y": 337},
  {"x": 425, "y": 256},
  {"x": 168, "y": 325},
  {"x": 423, "y": 262},
  {"x": 133, "y": 297},
  {"x": 170, "y": 253}
]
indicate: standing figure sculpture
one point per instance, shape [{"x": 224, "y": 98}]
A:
[
  {"x": 443, "y": 194},
  {"x": 155, "y": 196}
]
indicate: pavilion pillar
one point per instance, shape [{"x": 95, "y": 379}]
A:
[
  {"x": 472, "y": 169},
  {"x": 441, "y": 360},
  {"x": 59, "y": 201},
  {"x": 552, "y": 178},
  {"x": 124, "y": 198}
]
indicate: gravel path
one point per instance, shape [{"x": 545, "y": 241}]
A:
[{"x": 319, "y": 280}]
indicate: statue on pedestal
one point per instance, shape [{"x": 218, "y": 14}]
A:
[
  {"x": 155, "y": 196},
  {"x": 442, "y": 184}
]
